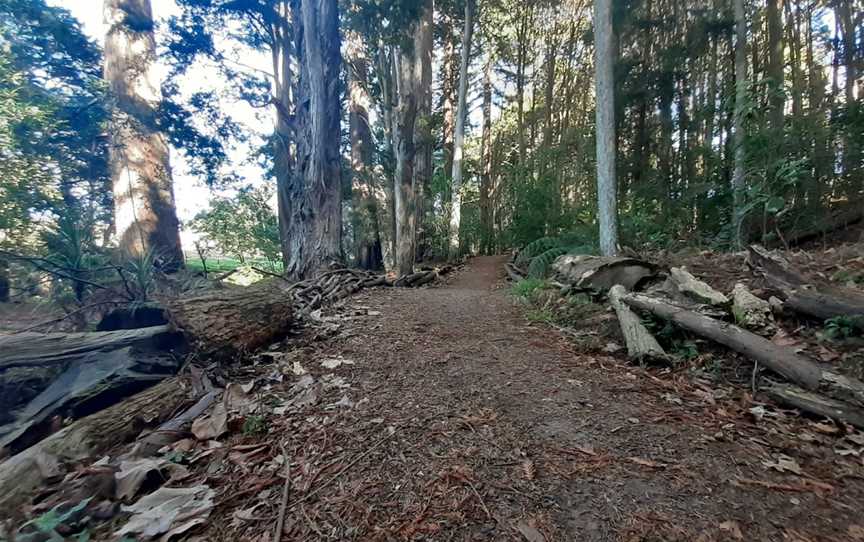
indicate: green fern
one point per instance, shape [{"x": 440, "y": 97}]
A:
[
  {"x": 540, "y": 265},
  {"x": 536, "y": 248}
]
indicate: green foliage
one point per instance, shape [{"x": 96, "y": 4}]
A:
[
  {"x": 44, "y": 527},
  {"x": 844, "y": 327},
  {"x": 540, "y": 264},
  {"x": 70, "y": 250},
  {"x": 526, "y": 288},
  {"x": 242, "y": 227},
  {"x": 255, "y": 425},
  {"x": 536, "y": 248}
]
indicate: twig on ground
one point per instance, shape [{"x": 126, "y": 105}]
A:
[
  {"x": 286, "y": 492},
  {"x": 268, "y": 273},
  {"x": 480, "y": 499},
  {"x": 342, "y": 471}
]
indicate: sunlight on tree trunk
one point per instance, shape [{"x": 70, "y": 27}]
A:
[
  {"x": 459, "y": 136},
  {"x": 313, "y": 207},
  {"x": 145, "y": 215}
]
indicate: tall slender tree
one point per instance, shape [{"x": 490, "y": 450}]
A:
[
  {"x": 145, "y": 215},
  {"x": 738, "y": 181},
  {"x": 459, "y": 134},
  {"x": 607, "y": 200}
]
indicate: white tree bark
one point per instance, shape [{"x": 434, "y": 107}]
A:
[
  {"x": 607, "y": 204},
  {"x": 459, "y": 135},
  {"x": 145, "y": 215}
]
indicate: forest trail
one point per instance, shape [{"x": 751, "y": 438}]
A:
[{"x": 501, "y": 432}]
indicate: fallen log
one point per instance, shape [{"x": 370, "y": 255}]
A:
[
  {"x": 834, "y": 220},
  {"x": 416, "y": 279},
  {"x": 85, "y": 438},
  {"x": 227, "y": 322},
  {"x": 74, "y": 374},
  {"x": 752, "y": 312},
  {"x": 584, "y": 272},
  {"x": 817, "y": 300},
  {"x": 641, "y": 345},
  {"x": 818, "y": 405},
  {"x": 782, "y": 360},
  {"x": 691, "y": 287}
]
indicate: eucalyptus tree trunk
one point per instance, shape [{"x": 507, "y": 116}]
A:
[
  {"x": 459, "y": 136},
  {"x": 312, "y": 227},
  {"x": 386, "y": 198},
  {"x": 486, "y": 161},
  {"x": 448, "y": 91},
  {"x": 367, "y": 243},
  {"x": 145, "y": 215},
  {"x": 409, "y": 79},
  {"x": 607, "y": 205},
  {"x": 423, "y": 127},
  {"x": 738, "y": 181}
]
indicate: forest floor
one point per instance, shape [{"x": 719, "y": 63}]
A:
[{"x": 443, "y": 414}]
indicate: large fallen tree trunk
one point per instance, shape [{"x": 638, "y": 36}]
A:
[
  {"x": 834, "y": 220},
  {"x": 782, "y": 360},
  {"x": 74, "y": 374},
  {"x": 817, "y": 300},
  {"x": 584, "y": 272},
  {"x": 237, "y": 320},
  {"x": 88, "y": 437},
  {"x": 641, "y": 345}
]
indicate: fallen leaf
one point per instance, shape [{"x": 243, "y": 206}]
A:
[
  {"x": 855, "y": 532},
  {"x": 732, "y": 528},
  {"x": 826, "y": 428},
  {"x": 134, "y": 473},
  {"x": 784, "y": 463},
  {"x": 646, "y": 462},
  {"x": 211, "y": 425},
  {"x": 530, "y": 533},
  {"x": 238, "y": 399},
  {"x": 297, "y": 369},
  {"x": 528, "y": 469},
  {"x": 333, "y": 363},
  {"x": 168, "y": 510}
]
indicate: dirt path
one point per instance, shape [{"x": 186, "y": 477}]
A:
[{"x": 501, "y": 432}]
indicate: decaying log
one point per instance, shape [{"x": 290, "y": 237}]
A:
[
  {"x": 226, "y": 322},
  {"x": 834, "y": 220},
  {"x": 515, "y": 274},
  {"x": 174, "y": 429},
  {"x": 641, "y": 345},
  {"x": 74, "y": 374},
  {"x": 817, "y": 300},
  {"x": 816, "y": 404},
  {"x": 416, "y": 279},
  {"x": 585, "y": 272},
  {"x": 86, "y": 438},
  {"x": 782, "y": 360},
  {"x": 690, "y": 286},
  {"x": 752, "y": 312}
]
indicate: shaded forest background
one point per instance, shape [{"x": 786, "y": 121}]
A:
[{"x": 408, "y": 171}]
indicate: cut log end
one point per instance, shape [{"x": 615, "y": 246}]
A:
[{"x": 641, "y": 345}]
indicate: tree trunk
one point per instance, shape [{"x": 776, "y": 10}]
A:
[
  {"x": 607, "y": 203},
  {"x": 448, "y": 95},
  {"x": 74, "y": 374},
  {"x": 782, "y": 360},
  {"x": 423, "y": 141},
  {"x": 408, "y": 76},
  {"x": 145, "y": 216},
  {"x": 86, "y": 438},
  {"x": 365, "y": 213},
  {"x": 312, "y": 199},
  {"x": 641, "y": 345},
  {"x": 486, "y": 161},
  {"x": 238, "y": 320},
  {"x": 738, "y": 181},
  {"x": 459, "y": 137},
  {"x": 774, "y": 70},
  {"x": 386, "y": 196},
  {"x": 821, "y": 301}
]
